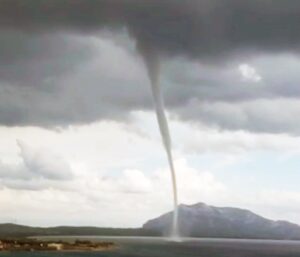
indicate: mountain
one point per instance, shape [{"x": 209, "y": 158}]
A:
[
  {"x": 198, "y": 220},
  {"x": 201, "y": 220},
  {"x": 13, "y": 230}
]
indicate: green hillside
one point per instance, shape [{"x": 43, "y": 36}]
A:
[{"x": 13, "y": 230}]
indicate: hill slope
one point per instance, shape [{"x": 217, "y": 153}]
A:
[
  {"x": 13, "y": 230},
  {"x": 201, "y": 220}
]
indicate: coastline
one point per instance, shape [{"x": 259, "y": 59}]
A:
[{"x": 35, "y": 245}]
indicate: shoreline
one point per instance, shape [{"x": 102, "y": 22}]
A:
[{"x": 35, "y": 245}]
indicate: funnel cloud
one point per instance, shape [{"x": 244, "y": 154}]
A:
[{"x": 153, "y": 67}]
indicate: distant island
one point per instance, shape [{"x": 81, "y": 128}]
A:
[
  {"x": 39, "y": 245},
  {"x": 202, "y": 220},
  {"x": 198, "y": 220}
]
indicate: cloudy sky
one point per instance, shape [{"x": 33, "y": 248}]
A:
[{"x": 80, "y": 143}]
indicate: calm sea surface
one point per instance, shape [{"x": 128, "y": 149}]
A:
[{"x": 188, "y": 247}]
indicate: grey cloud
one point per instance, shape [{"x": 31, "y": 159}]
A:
[
  {"x": 184, "y": 80},
  {"x": 49, "y": 75},
  {"x": 221, "y": 97},
  {"x": 30, "y": 67},
  {"x": 262, "y": 115},
  {"x": 107, "y": 86},
  {"x": 34, "y": 60},
  {"x": 113, "y": 83}
]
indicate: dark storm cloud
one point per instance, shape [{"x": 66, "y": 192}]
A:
[
  {"x": 91, "y": 79},
  {"x": 207, "y": 28},
  {"x": 46, "y": 50},
  {"x": 33, "y": 59}
]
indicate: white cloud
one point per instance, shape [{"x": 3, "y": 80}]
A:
[
  {"x": 193, "y": 185},
  {"x": 249, "y": 73},
  {"x": 128, "y": 199},
  {"x": 44, "y": 163},
  {"x": 36, "y": 169},
  {"x": 134, "y": 181},
  {"x": 239, "y": 142},
  {"x": 116, "y": 167}
]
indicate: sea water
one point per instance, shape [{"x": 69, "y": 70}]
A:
[{"x": 188, "y": 247}]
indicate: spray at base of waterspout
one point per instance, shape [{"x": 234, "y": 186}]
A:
[{"x": 174, "y": 238}]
